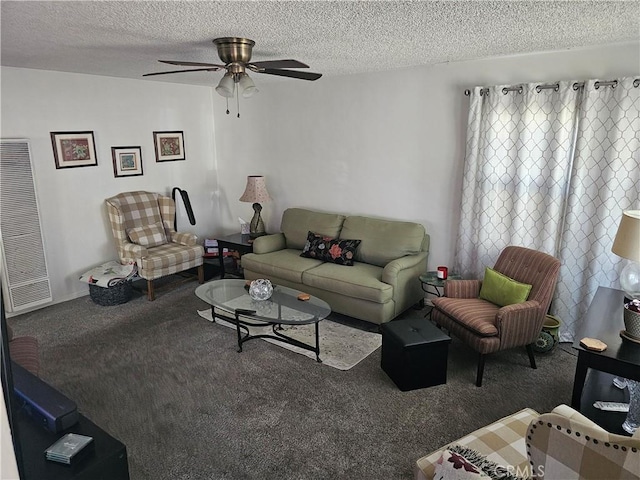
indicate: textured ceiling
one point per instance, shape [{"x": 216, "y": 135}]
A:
[{"x": 126, "y": 38}]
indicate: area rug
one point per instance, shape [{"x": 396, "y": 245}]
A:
[{"x": 341, "y": 346}]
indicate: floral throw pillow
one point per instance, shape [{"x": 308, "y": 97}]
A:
[
  {"x": 453, "y": 466},
  {"x": 463, "y": 463},
  {"x": 327, "y": 249}
]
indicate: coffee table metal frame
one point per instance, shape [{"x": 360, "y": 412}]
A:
[{"x": 221, "y": 293}]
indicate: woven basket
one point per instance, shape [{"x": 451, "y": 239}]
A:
[
  {"x": 115, "y": 295},
  {"x": 632, "y": 322}
]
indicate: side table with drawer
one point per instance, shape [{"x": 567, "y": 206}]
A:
[{"x": 414, "y": 353}]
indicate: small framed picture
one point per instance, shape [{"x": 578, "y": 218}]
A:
[
  {"x": 169, "y": 146},
  {"x": 74, "y": 149},
  {"x": 127, "y": 161}
]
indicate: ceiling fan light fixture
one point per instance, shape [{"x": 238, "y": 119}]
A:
[
  {"x": 226, "y": 86},
  {"x": 247, "y": 87}
]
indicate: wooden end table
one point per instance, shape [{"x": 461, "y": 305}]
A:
[{"x": 604, "y": 321}]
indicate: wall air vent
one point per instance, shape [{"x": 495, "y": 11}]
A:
[{"x": 25, "y": 279}]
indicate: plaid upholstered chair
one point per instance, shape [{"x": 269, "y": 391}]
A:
[
  {"x": 558, "y": 445},
  {"x": 142, "y": 225},
  {"x": 490, "y": 322}
]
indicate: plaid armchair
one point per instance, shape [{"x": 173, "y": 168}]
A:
[
  {"x": 142, "y": 226},
  {"x": 563, "y": 444},
  {"x": 488, "y": 328}
]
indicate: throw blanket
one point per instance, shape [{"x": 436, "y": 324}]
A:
[{"x": 110, "y": 274}]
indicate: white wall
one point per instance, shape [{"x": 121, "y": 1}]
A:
[
  {"x": 389, "y": 144},
  {"x": 120, "y": 112}
]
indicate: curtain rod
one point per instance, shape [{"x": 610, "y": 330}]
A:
[{"x": 555, "y": 87}]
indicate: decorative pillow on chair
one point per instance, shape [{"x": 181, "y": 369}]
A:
[
  {"x": 463, "y": 463},
  {"x": 148, "y": 235},
  {"x": 327, "y": 249},
  {"x": 453, "y": 466},
  {"x": 502, "y": 290}
]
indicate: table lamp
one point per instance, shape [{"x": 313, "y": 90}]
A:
[
  {"x": 256, "y": 192},
  {"x": 627, "y": 245}
]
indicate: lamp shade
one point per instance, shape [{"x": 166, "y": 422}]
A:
[
  {"x": 226, "y": 86},
  {"x": 627, "y": 241},
  {"x": 256, "y": 190},
  {"x": 247, "y": 87}
]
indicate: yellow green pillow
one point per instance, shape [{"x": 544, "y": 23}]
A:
[{"x": 502, "y": 290}]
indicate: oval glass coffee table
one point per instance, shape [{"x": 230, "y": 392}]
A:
[{"x": 230, "y": 300}]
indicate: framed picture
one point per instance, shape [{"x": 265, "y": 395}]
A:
[
  {"x": 74, "y": 149},
  {"x": 127, "y": 161},
  {"x": 169, "y": 146}
]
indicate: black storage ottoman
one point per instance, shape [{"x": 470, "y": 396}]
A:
[{"x": 414, "y": 353}]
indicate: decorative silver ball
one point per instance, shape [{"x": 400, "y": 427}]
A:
[{"x": 261, "y": 289}]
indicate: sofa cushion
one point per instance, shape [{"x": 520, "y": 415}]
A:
[
  {"x": 286, "y": 264},
  {"x": 297, "y": 222},
  {"x": 327, "y": 249},
  {"x": 383, "y": 240},
  {"x": 360, "y": 281},
  {"x": 475, "y": 314},
  {"x": 168, "y": 259}
]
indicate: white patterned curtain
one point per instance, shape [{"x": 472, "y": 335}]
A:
[
  {"x": 516, "y": 172},
  {"x": 551, "y": 169},
  {"x": 605, "y": 181}
]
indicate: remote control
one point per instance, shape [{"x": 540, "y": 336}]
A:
[{"x": 612, "y": 406}]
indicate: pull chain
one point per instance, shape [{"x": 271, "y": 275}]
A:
[
  {"x": 227, "y": 98},
  {"x": 238, "y": 100}
]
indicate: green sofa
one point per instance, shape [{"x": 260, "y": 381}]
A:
[{"x": 381, "y": 284}]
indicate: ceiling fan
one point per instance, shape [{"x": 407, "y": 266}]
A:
[{"x": 235, "y": 53}]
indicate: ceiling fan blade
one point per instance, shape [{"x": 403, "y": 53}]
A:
[
  {"x": 213, "y": 69},
  {"x": 279, "y": 64},
  {"x": 191, "y": 64},
  {"x": 291, "y": 73}
]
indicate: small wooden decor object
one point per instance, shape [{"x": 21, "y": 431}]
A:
[
  {"x": 304, "y": 297},
  {"x": 593, "y": 344}
]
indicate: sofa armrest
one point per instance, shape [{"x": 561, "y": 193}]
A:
[
  {"x": 403, "y": 275},
  {"x": 269, "y": 243},
  {"x": 462, "y": 288},
  {"x": 502, "y": 442},
  {"x": 184, "y": 238},
  {"x": 392, "y": 270},
  {"x": 519, "y": 324}
]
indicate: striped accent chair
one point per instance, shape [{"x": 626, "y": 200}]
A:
[
  {"x": 143, "y": 228},
  {"x": 489, "y": 328}
]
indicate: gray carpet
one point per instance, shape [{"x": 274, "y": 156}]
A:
[{"x": 171, "y": 386}]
